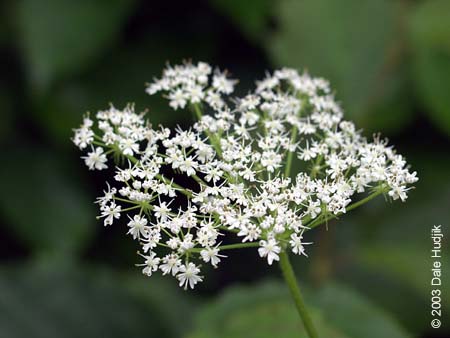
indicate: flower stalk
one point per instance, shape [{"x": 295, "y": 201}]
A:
[
  {"x": 291, "y": 281},
  {"x": 232, "y": 246}
]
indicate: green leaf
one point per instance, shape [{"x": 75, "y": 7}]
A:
[
  {"x": 267, "y": 311},
  {"x": 47, "y": 301},
  {"x": 355, "y": 44},
  {"x": 395, "y": 262},
  {"x": 354, "y": 315},
  {"x": 429, "y": 24},
  {"x": 250, "y": 16},
  {"x": 43, "y": 204},
  {"x": 429, "y": 29},
  {"x": 61, "y": 37}
]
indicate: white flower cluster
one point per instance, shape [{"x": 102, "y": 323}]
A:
[{"x": 230, "y": 174}]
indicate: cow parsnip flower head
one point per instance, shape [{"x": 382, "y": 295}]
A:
[{"x": 238, "y": 160}]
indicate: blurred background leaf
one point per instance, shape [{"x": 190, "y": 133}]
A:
[
  {"x": 267, "y": 311},
  {"x": 429, "y": 27},
  {"x": 250, "y": 16},
  {"x": 337, "y": 40},
  {"x": 66, "y": 301},
  {"x": 61, "y": 38},
  {"x": 44, "y": 205},
  {"x": 7, "y": 115}
]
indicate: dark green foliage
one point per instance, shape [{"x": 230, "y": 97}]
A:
[
  {"x": 267, "y": 311},
  {"x": 389, "y": 62}
]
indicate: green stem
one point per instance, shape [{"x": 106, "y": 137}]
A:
[
  {"x": 291, "y": 281},
  {"x": 239, "y": 246},
  {"x": 197, "y": 111},
  {"x": 231, "y": 246},
  {"x": 174, "y": 185},
  {"x": 287, "y": 170},
  {"x": 225, "y": 228},
  {"x": 163, "y": 179},
  {"x": 365, "y": 200},
  {"x": 215, "y": 142},
  {"x": 320, "y": 221}
]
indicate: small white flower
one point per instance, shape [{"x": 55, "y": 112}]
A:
[
  {"x": 128, "y": 146},
  {"x": 250, "y": 232},
  {"x": 96, "y": 159},
  {"x": 150, "y": 265},
  {"x": 138, "y": 227},
  {"x": 110, "y": 212},
  {"x": 174, "y": 242},
  {"x": 162, "y": 211},
  {"x": 222, "y": 84},
  {"x": 271, "y": 160},
  {"x": 298, "y": 245},
  {"x": 177, "y": 99},
  {"x": 151, "y": 240},
  {"x": 188, "y": 165},
  {"x": 269, "y": 249},
  {"x": 170, "y": 264},
  {"x": 84, "y": 135},
  {"x": 397, "y": 192},
  {"x": 188, "y": 275},
  {"x": 195, "y": 94},
  {"x": 211, "y": 255},
  {"x": 313, "y": 208}
]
